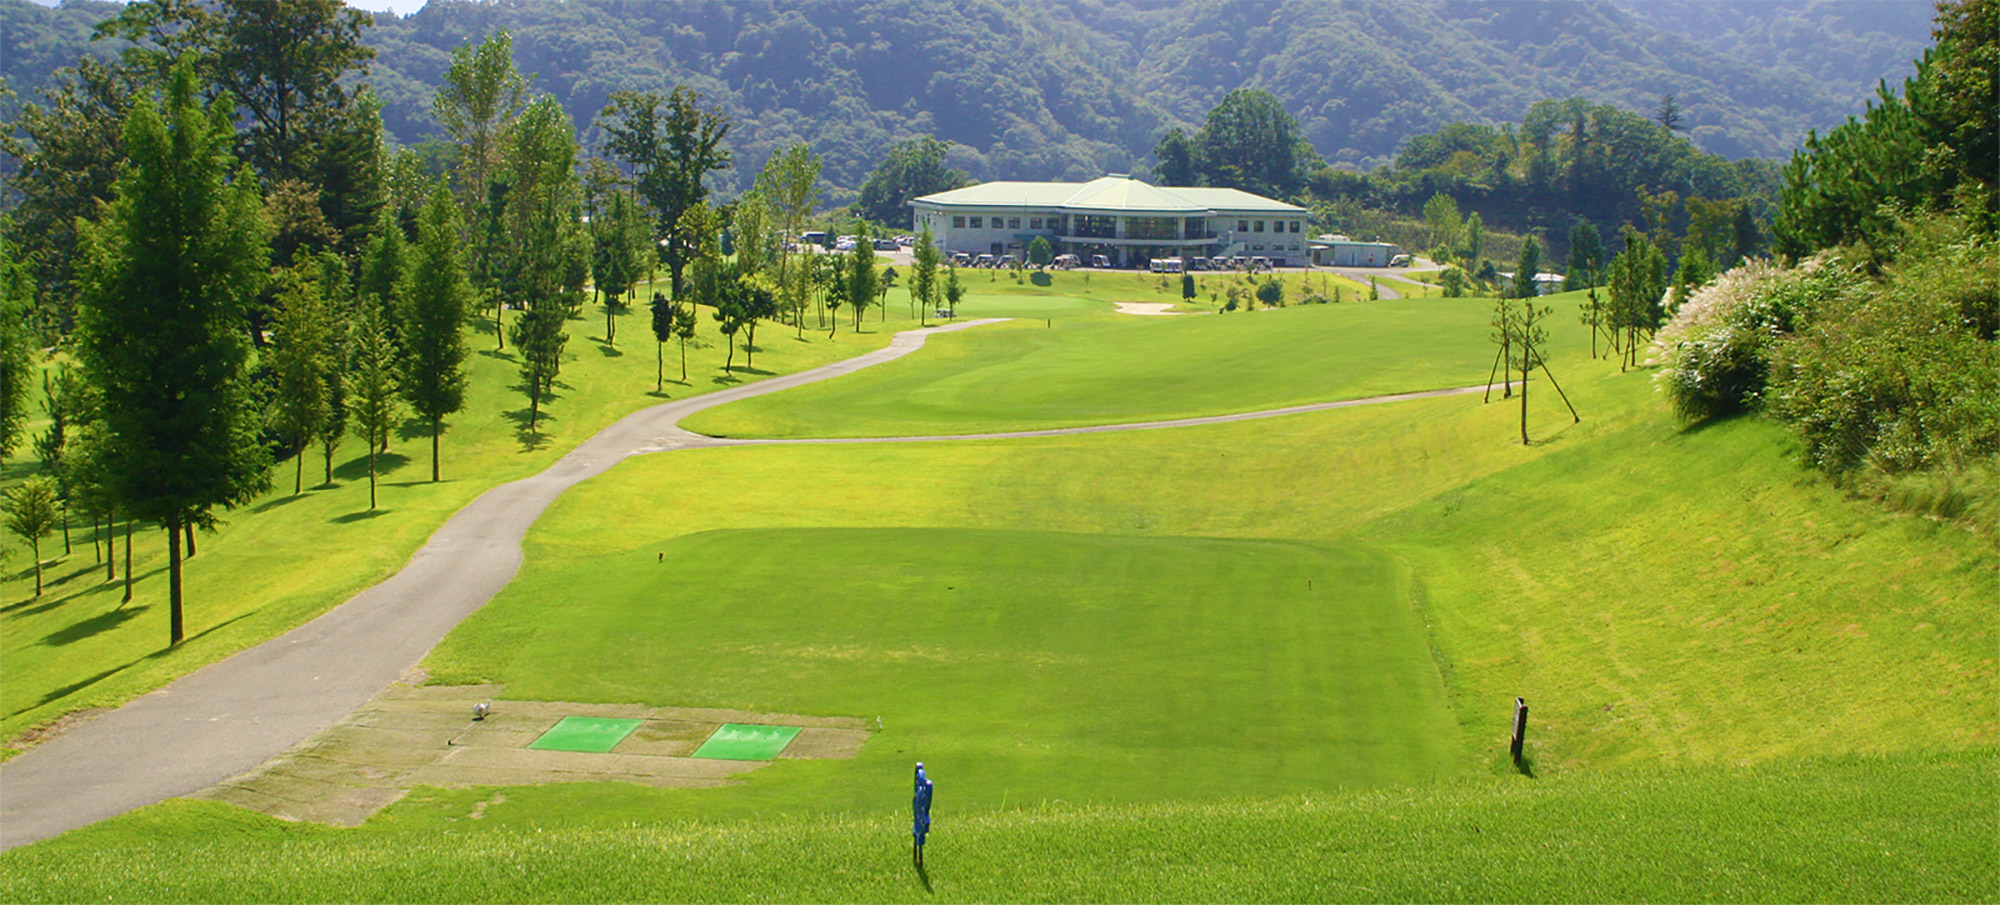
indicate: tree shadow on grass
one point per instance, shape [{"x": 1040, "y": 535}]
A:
[
  {"x": 56, "y": 694},
  {"x": 357, "y": 470},
  {"x": 361, "y": 516},
  {"x": 278, "y": 502},
  {"x": 496, "y": 353},
  {"x": 606, "y": 349},
  {"x": 92, "y": 627},
  {"x": 413, "y": 429}
]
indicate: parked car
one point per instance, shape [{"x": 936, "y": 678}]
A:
[
  {"x": 1065, "y": 262},
  {"x": 961, "y": 259},
  {"x": 983, "y": 261},
  {"x": 886, "y": 245},
  {"x": 814, "y": 238},
  {"x": 1005, "y": 261},
  {"x": 1197, "y": 264},
  {"x": 1099, "y": 261},
  {"x": 906, "y": 241},
  {"x": 1259, "y": 263}
]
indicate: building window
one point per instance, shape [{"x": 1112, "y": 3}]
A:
[
  {"x": 958, "y": 223},
  {"x": 1242, "y": 226},
  {"x": 1257, "y": 225},
  {"x": 976, "y": 222},
  {"x": 1013, "y": 223},
  {"x": 1295, "y": 228},
  {"x": 1034, "y": 223},
  {"x": 1152, "y": 228},
  {"x": 1256, "y": 248},
  {"x": 1194, "y": 228},
  {"x": 1091, "y": 227}
]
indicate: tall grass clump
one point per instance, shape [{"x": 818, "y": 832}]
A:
[
  {"x": 1891, "y": 382},
  {"x": 1717, "y": 349}
]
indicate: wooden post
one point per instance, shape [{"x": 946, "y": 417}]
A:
[{"x": 1520, "y": 730}]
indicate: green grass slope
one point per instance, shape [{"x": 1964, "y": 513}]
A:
[{"x": 1040, "y": 665}]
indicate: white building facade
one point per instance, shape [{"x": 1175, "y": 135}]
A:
[{"x": 1124, "y": 219}]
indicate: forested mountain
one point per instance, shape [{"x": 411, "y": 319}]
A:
[{"x": 1052, "y": 91}]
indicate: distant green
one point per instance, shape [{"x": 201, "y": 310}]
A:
[{"x": 1124, "y": 368}]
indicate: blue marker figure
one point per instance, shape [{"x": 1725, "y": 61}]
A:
[{"x": 920, "y": 808}]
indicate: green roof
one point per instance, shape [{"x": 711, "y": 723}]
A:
[{"x": 1111, "y": 194}]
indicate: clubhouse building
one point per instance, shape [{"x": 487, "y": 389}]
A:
[{"x": 1124, "y": 219}]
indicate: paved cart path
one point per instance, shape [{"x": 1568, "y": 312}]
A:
[{"x": 230, "y": 716}]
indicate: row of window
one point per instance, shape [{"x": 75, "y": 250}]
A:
[
  {"x": 1034, "y": 223},
  {"x": 1136, "y": 228}
]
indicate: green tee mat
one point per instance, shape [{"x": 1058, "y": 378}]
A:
[
  {"x": 745, "y": 741},
  {"x": 595, "y": 734}
]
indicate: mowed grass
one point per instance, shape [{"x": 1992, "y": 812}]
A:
[
  {"x": 1863, "y": 829},
  {"x": 1120, "y": 368},
  {"x": 1746, "y": 686},
  {"x": 1031, "y": 665},
  {"x": 285, "y": 558}
]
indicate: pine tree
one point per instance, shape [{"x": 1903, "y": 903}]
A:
[
  {"x": 169, "y": 272},
  {"x": 301, "y": 359},
  {"x": 861, "y": 276},
  {"x": 373, "y": 371},
  {"x": 17, "y": 340},
  {"x": 434, "y": 297},
  {"x": 544, "y": 204}
]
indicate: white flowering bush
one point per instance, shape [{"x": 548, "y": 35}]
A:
[{"x": 1716, "y": 352}]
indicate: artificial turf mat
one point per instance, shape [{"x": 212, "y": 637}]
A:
[
  {"x": 744, "y": 741},
  {"x": 595, "y": 734}
]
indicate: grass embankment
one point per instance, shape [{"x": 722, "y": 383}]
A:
[
  {"x": 285, "y": 558},
  {"x": 1118, "y": 368},
  {"x": 1839, "y": 830}
]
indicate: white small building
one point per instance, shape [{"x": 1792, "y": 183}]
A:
[
  {"x": 1340, "y": 251},
  {"x": 1124, "y": 219}
]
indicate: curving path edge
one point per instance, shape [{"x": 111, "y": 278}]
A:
[
  {"x": 226, "y": 718},
  {"x": 234, "y": 714}
]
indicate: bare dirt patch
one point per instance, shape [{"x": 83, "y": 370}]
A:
[{"x": 411, "y": 736}]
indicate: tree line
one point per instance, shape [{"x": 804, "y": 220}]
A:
[{"x": 244, "y": 267}]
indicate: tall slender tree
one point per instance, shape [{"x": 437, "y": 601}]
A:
[
  {"x": 302, "y": 359},
  {"x": 373, "y": 375},
  {"x": 544, "y": 208},
  {"x": 672, "y": 143},
  {"x": 1529, "y": 268},
  {"x": 925, "y": 259},
  {"x": 790, "y": 183},
  {"x": 31, "y": 513},
  {"x": 17, "y": 341},
  {"x": 482, "y": 94},
  {"x": 862, "y": 278},
  {"x": 435, "y": 295},
  {"x": 168, "y": 271}
]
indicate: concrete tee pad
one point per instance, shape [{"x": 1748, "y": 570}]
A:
[{"x": 411, "y": 736}]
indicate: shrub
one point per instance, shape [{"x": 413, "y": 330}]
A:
[
  {"x": 1718, "y": 347},
  {"x": 1903, "y": 374}
]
